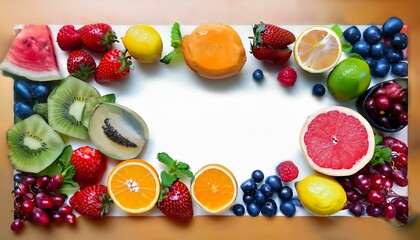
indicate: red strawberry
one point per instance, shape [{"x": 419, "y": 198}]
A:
[
  {"x": 97, "y": 37},
  {"x": 177, "y": 203},
  {"x": 92, "y": 202},
  {"x": 90, "y": 165},
  {"x": 80, "y": 64},
  {"x": 271, "y": 55},
  {"x": 287, "y": 76},
  {"x": 68, "y": 38},
  {"x": 272, "y": 35},
  {"x": 175, "y": 198},
  {"x": 113, "y": 67}
]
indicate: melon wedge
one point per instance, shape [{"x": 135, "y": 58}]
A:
[{"x": 31, "y": 55}]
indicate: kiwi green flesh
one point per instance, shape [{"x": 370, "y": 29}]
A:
[
  {"x": 33, "y": 144},
  {"x": 117, "y": 131},
  {"x": 91, "y": 104},
  {"x": 66, "y": 104}
]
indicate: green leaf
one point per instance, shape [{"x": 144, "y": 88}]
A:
[
  {"x": 68, "y": 189},
  {"x": 107, "y": 98},
  {"x": 382, "y": 154},
  {"x": 167, "y": 160},
  {"x": 346, "y": 47},
  {"x": 188, "y": 173},
  {"x": 337, "y": 29},
  {"x": 52, "y": 169},
  {"x": 176, "y": 39},
  {"x": 59, "y": 164},
  {"x": 355, "y": 55},
  {"x": 378, "y": 139},
  {"x": 181, "y": 165},
  {"x": 64, "y": 158},
  {"x": 167, "y": 179}
]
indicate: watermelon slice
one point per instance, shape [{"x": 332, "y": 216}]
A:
[{"x": 31, "y": 55}]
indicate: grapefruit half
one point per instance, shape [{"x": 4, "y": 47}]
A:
[{"x": 337, "y": 141}]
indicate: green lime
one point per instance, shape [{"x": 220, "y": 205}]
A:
[
  {"x": 349, "y": 79},
  {"x": 321, "y": 195}
]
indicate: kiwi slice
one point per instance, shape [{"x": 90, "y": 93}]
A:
[
  {"x": 33, "y": 144},
  {"x": 117, "y": 131},
  {"x": 91, "y": 104},
  {"x": 66, "y": 104}
]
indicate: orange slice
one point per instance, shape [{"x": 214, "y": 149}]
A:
[
  {"x": 214, "y": 188},
  {"x": 317, "y": 49},
  {"x": 134, "y": 186}
]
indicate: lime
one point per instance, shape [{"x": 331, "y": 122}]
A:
[
  {"x": 321, "y": 195},
  {"x": 143, "y": 43},
  {"x": 349, "y": 79}
]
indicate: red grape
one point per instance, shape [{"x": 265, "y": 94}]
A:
[
  {"x": 357, "y": 208},
  {"x": 403, "y": 118},
  {"x": 399, "y": 178},
  {"x": 382, "y": 102},
  {"x": 29, "y": 180},
  {"x": 70, "y": 218},
  {"x": 374, "y": 210},
  {"x": 396, "y": 108},
  {"x": 58, "y": 199},
  {"x": 352, "y": 195},
  {"x": 400, "y": 157},
  {"x": 377, "y": 182},
  {"x": 376, "y": 196},
  {"x": 385, "y": 169},
  {"x": 41, "y": 217},
  {"x": 388, "y": 183},
  {"x": 44, "y": 202},
  {"x": 58, "y": 218},
  {"x": 16, "y": 225},
  {"x": 42, "y": 181},
  {"x": 28, "y": 206},
  {"x": 395, "y": 144},
  {"x": 389, "y": 210},
  {"x": 64, "y": 210},
  {"x": 362, "y": 182}
]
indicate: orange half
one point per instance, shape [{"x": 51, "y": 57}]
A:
[
  {"x": 134, "y": 186},
  {"x": 317, "y": 49},
  {"x": 214, "y": 188}
]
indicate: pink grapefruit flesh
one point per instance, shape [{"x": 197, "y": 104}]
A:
[{"x": 337, "y": 141}]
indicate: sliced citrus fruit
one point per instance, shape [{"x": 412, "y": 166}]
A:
[
  {"x": 214, "y": 188},
  {"x": 337, "y": 141},
  {"x": 134, "y": 186},
  {"x": 317, "y": 49}
]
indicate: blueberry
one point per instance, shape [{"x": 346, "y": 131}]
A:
[
  {"x": 394, "y": 55},
  {"x": 257, "y": 175},
  {"x": 274, "y": 181},
  {"x": 370, "y": 61},
  {"x": 399, "y": 41},
  {"x": 258, "y": 75},
  {"x": 17, "y": 177},
  {"x": 41, "y": 90},
  {"x": 352, "y": 34},
  {"x": 238, "y": 209},
  {"x": 372, "y": 34},
  {"x": 392, "y": 26},
  {"x": 361, "y": 47},
  {"x": 381, "y": 68},
  {"x": 269, "y": 208},
  {"x": 285, "y": 193},
  {"x": 249, "y": 186},
  {"x": 248, "y": 198},
  {"x": 267, "y": 189},
  {"x": 318, "y": 90},
  {"x": 23, "y": 110},
  {"x": 260, "y": 197},
  {"x": 288, "y": 208},
  {"x": 253, "y": 209},
  {"x": 400, "y": 69},
  {"x": 377, "y": 50},
  {"x": 23, "y": 90},
  {"x": 296, "y": 202}
]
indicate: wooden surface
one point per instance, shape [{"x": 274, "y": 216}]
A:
[{"x": 281, "y": 12}]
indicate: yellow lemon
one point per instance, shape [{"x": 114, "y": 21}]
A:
[
  {"x": 143, "y": 43},
  {"x": 321, "y": 195}
]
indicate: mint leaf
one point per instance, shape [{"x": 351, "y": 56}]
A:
[
  {"x": 68, "y": 189},
  {"x": 64, "y": 158},
  {"x": 176, "y": 39},
  {"x": 378, "y": 139},
  {"x": 182, "y": 165},
  {"x": 337, "y": 29},
  {"x": 346, "y": 47},
  {"x": 59, "y": 164},
  {"x": 187, "y": 173},
  {"x": 167, "y": 178},
  {"x": 382, "y": 154},
  {"x": 167, "y": 160}
]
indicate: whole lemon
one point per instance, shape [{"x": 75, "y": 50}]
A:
[
  {"x": 143, "y": 43},
  {"x": 321, "y": 195},
  {"x": 349, "y": 79}
]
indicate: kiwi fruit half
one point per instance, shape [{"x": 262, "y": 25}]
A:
[
  {"x": 117, "y": 131},
  {"x": 33, "y": 144},
  {"x": 66, "y": 104}
]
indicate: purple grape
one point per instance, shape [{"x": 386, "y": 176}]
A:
[
  {"x": 357, "y": 208},
  {"x": 383, "y": 121},
  {"x": 370, "y": 103},
  {"x": 395, "y": 145},
  {"x": 29, "y": 196},
  {"x": 401, "y": 205},
  {"x": 396, "y": 108},
  {"x": 382, "y": 102},
  {"x": 374, "y": 210},
  {"x": 399, "y": 178},
  {"x": 56, "y": 217},
  {"x": 402, "y": 218},
  {"x": 385, "y": 169},
  {"x": 58, "y": 199},
  {"x": 21, "y": 190},
  {"x": 42, "y": 181},
  {"x": 41, "y": 217},
  {"x": 403, "y": 118},
  {"x": 345, "y": 182},
  {"x": 44, "y": 202},
  {"x": 389, "y": 210},
  {"x": 65, "y": 210},
  {"x": 352, "y": 195},
  {"x": 376, "y": 196},
  {"x": 16, "y": 225},
  {"x": 29, "y": 180},
  {"x": 362, "y": 182},
  {"x": 388, "y": 183},
  {"x": 379, "y": 92}
]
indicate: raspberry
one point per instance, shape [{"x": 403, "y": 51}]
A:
[
  {"x": 287, "y": 171},
  {"x": 287, "y": 76}
]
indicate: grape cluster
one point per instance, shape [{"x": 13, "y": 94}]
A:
[
  {"x": 370, "y": 190},
  {"x": 36, "y": 200},
  {"x": 384, "y": 49},
  {"x": 259, "y": 194},
  {"x": 388, "y": 106}
]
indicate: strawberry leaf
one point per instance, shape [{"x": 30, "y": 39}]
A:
[
  {"x": 176, "y": 38},
  {"x": 167, "y": 160},
  {"x": 167, "y": 178}
]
